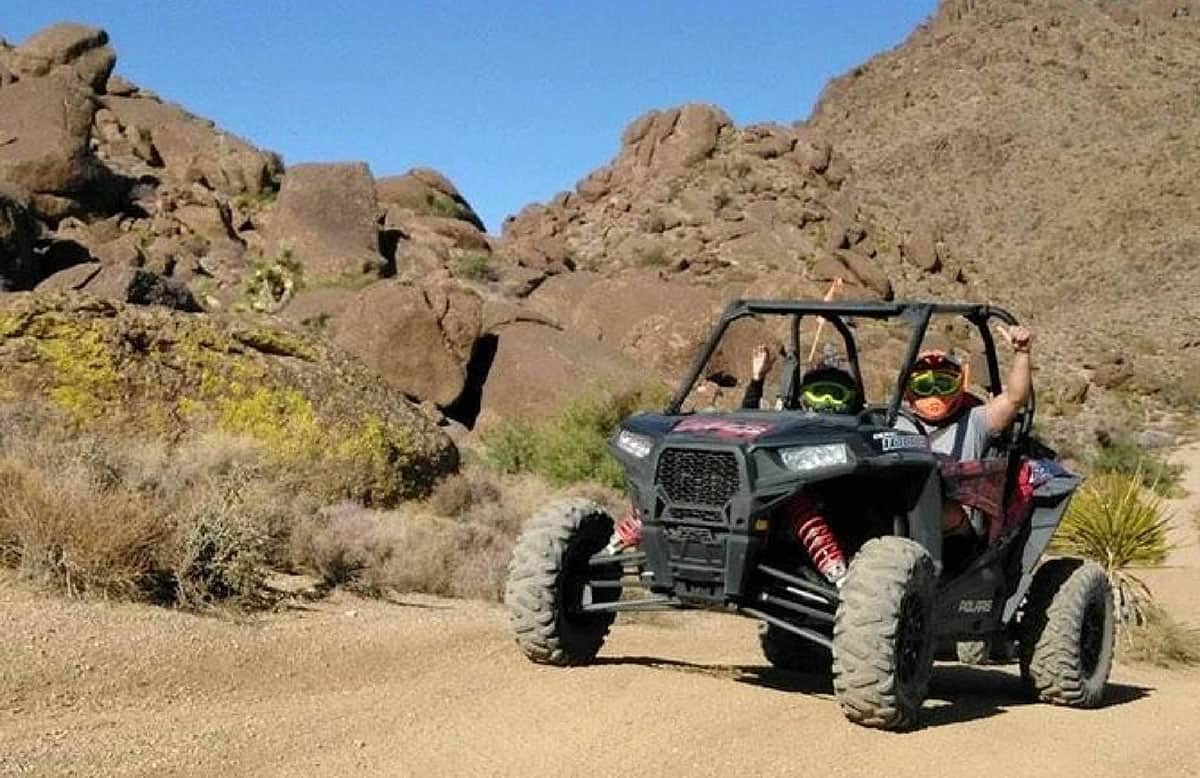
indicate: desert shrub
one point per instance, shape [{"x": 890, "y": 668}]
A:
[
  {"x": 473, "y": 267},
  {"x": 655, "y": 256},
  {"x": 61, "y": 526},
  {"x": 273, "y": 282},
  {"x": 1123, "y": 456},
  {"x": 1160, "y": 640},
  {"x": 194, "y": 522},
  {"x": 1117, "y": 522},
  {"x": 511, "y": 446},
  {"x": 461, "y": 492},
  {"x": 572, "y": 445},
  {"x": 380, "y": 552},
  {"x": 221, "y": 551}
]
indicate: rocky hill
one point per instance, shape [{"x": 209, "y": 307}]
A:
[
  {"x": 1016, "y": 152},
  {"x": 1047, "y": 146}
]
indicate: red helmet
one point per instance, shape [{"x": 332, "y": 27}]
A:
[{"x": 934, "y": 389}]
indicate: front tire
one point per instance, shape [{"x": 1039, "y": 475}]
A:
[
  {"x": 1067, "y": 632},
  {"x": 883, "y": 636},
  {"x": 547, "y": 584},
  {"x": 792, "y": 652}
]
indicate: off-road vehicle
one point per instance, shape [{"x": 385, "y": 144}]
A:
[{"x": 827, "y": 529}]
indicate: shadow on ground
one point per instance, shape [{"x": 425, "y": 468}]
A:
[{"x": 957, "y": 693}]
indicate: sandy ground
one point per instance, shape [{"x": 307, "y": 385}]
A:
[{"x": 434, "y": 687}]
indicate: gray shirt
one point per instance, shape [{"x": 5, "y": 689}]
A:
[{"x": 941, "y": 439}]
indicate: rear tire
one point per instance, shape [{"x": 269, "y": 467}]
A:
[
  {"x": 547, "y": 583},
  {"x": 1067, "y": 632},
  {"x": 882, "y": 634},
  {"x": 792, "y": 652}
]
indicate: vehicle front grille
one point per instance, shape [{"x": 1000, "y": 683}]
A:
[{"x": 698, "y": 476}]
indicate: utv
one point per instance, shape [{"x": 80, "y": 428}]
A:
[{"x": 754, "y": 511}]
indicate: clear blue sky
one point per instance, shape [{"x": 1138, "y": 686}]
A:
[{"x": 514, "y": 101}]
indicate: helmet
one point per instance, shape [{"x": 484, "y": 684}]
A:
[
  {"x": 830, "y": 389},
  {"x": 934, "y": 388}
]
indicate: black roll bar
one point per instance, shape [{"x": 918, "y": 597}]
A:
[{"x": 918, "y": 313}]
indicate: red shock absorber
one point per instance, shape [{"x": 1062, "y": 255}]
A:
[
  {"x": 818, "y": 540},
  {"x": 627, "y": 533}
]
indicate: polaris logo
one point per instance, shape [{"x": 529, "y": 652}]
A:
[{"x": 974, "y": 606}]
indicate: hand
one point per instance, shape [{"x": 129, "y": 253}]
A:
[
  {"x": 763, "y": 359},
  {"x": 1020, "y": 338}
]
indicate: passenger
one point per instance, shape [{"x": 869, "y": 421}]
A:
[
  {"x": 957, "y": 425},
  {"x": 824, "y": 388}
]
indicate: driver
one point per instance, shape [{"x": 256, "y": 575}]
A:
[
  {"x": 824, "y": 388},
  {"x": 957, "y": 424}
]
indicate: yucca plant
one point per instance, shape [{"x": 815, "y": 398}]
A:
[{"x": 1121, "y": 524}]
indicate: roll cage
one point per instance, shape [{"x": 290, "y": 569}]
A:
[{"x": 916, "y": 314}]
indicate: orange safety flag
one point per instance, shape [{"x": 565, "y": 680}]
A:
[{"x": 834, "y": 288}]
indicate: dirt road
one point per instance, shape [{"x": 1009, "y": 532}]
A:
[{"x": 436, "y": 688}]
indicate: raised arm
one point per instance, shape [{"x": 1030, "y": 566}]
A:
[
  {"x": 1003, "y": 408},
  {"x": 759, "y": 366}
]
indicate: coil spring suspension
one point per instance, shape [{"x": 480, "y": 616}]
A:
[
  {"x": 814, "y": 533},
  {"x": 627, "y": 533}
]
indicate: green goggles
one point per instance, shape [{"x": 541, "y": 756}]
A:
[
  {"x": 827, "y": 396},
  {"x": 934, "y": 383}
]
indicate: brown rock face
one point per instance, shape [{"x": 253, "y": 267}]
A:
[
  {"x": 191, "y": 149},
  {"x": 426, "y": 192},
  {"x": 325, "y": 217},
  {"x": 1043, "y": 152},
  {"x": 696, "y": 198},
  {"x": 538, "y": 367},
  {"x": 74, "y": 51},
  {"x": 672, "y": 139},
  {"x": 46, "y": 125},
  {"x": 418, "y": 340}
]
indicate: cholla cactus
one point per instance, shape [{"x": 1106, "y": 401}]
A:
[{"x": 274, "y": 282}]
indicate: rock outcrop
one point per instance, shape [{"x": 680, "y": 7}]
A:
[
  {"x": 325, "y": 218},
  {"x": 166, "y": 374},
  {"x": 693, "y": 196}
]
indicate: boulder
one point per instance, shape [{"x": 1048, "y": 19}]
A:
[
  {"x": 418, "y": 340},
  {"x": 615, "y": 310},
  {"x": 122, "y": 284},
  {"x": 920, "y": 250},
  {"x": 427, "y": 192},
  {"x": 193, "y": 149},
  {"x": 855, "y": 269},
  {"x": 671, "y": 139},
  {"x": 325, "y": 216},
  {"x": 66, "y": 49},
  {"x": 165, "y": 374},
  {"x": 48, "y": 124},
  {"x": 537, "y": 368}
]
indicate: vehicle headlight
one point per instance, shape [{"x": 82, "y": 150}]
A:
[
  {"x": 634, "y": 444},
  {"x": 812, "y": 457}
]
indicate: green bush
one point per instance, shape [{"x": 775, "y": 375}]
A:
[
  {"x": 1125, "y": 457},
  {"x": 571, "y": 446},
  {"x": 222, "y": 552},
  {"x": 473, "y": 267},
  {"x": 1120, "y": 524}
]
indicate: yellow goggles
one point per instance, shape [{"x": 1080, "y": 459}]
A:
[
  {"x": 934, "y": 383},
  {"x": 827, "y": 396}
]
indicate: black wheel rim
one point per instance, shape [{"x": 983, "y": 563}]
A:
[
  {"x": 1091, "y": 636},
  {"x": 911, "y": 643}
]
